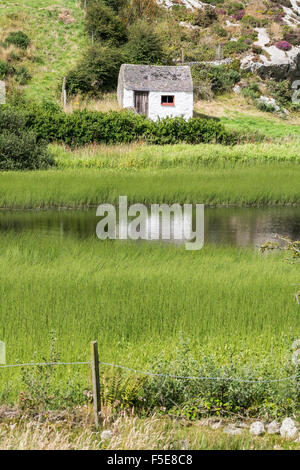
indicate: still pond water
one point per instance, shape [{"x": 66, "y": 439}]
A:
[{"x": 234, "y": 226}]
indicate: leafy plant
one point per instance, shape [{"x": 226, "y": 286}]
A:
[{"x": 18, "y": 39}]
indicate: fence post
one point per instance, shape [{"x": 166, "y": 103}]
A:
[
  {"x": 64, "y": 93},
  {"x": 95, "y": 381}
]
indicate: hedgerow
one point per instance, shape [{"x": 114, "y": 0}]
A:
[{"x": 84, "y": 127}]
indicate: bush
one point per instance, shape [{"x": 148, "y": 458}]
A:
[
  {"x": 20, "y": 149},
  {"x": 204, "y": 17},
  {"x": 235, "y": 47},
  {"x": 104, "y": 24},
  {"x": 18, "y": 39},
  {"x": 281, "y": 91},
  {"x": 293, "y": 37},
  {"x": 83, "y": 127},
  {"x": 283, "y": 46},
  {"x": 219, "y": 31},
  {"x": 221, "y": 78},
  {"x": 98, "y": 72},
  {"x": 5, "y": 69},
  {"x": 144, "y": 46}
]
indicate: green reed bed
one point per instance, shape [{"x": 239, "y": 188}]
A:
[
  {"x": 259, "y": 185},
  {"x": 138, "y": 300}
]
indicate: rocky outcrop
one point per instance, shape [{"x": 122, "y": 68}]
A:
[{"x": 273, "y": 62}]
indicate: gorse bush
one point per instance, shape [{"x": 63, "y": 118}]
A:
[
  {"x": 83, "y": 127},
  {"x": 20, "y": 148}
]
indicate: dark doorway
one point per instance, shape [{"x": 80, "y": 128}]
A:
[{"x": 141, "y": 102}]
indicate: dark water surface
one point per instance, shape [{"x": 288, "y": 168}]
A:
[{"x": 234, "y": 226}]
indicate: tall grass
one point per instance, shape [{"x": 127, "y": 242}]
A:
[
  {"x": 171, "y": 156},
  {"x": 137, "y": 299},
  {"x": 273, "y": 184}
]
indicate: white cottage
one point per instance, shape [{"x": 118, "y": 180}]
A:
[{"x": 156, "y": 91}]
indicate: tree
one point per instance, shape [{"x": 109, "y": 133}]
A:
[
  {"x": 104, "y": 24},
  {"x": 98, "y": 72},
  {"x": 144, "y": 45}
]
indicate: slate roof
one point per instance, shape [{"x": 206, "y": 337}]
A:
[{"x": 156, "y": 77}]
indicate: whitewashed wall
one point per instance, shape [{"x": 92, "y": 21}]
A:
[
  {"x": 128, "y": 98},
  {"x": 183, "y": 105}
]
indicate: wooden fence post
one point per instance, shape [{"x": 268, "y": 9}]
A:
[{"x": 95, "y": 381}]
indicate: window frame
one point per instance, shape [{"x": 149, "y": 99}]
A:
[{"x": 167, "y": 104}]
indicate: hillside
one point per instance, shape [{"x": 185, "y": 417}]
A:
[
  {"x": 253, "y": 42},
  {"x": 56, "y": 33}
]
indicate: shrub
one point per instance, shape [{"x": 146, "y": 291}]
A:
[
  {"x": 22, "y": 75},
  {"x": 221, "y": 78},
  {"x": 18, "y": 39},
  {"x": 293, "y": 37},
  {"x": 20, "y": 149},
  {"x": 219, "y": 31},
  {"x": 5, "y": 69},
  {"x": 281, "y": 91},
  {"x": 144, "y": 46},
  {"x": 104, "y": 24},
  {"x": 204, "y": 17},
  {"x": 283, "y": 45},
  {"x": 249, "y": 20},
  {"x": 239, "y": 15},
  {"x": 98, "y": 71},
  {"x": 83, "y": 127},
  {"x": 235, "y": 47}
]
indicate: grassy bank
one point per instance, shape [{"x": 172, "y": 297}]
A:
[
  {"x": 273, "y": 184},
  {"x": 74, "y": 431},
  {"x": 137, "y": 156},
  {"x": 138, "y": 300}
]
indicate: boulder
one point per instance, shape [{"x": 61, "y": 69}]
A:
[
  {"x": 273, "y": 428},
  {"x": 257, "y": 428},
  {"x": 105, "y": 435},
  {"x": 288, "y": 428}
]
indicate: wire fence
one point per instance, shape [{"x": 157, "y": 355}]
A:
[{"x": 155, "y": 374}]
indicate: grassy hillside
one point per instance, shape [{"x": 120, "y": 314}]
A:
[{"x": 55, "y": 45}]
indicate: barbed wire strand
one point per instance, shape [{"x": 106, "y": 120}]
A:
[{"x": 154, "y": 374}]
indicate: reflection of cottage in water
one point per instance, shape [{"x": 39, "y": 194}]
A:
[{"x": 156, "y": 91}]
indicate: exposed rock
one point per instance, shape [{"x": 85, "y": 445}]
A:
[
  {"x": 216, "y": 425},
  {"x": 105, "y": 435},
  {"x": 233, "y": 430},
  {"x": 273, "y": 62},
  {"x": 237, "y": 89},
  {"x": 191, "y": 4},
  {"x": 273, "y": 428},
  {"x": 257, "y": 428},
  {"x": 288, "y": 428}
]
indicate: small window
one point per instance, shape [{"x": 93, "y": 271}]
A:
[{"x": 168, "y": 100}]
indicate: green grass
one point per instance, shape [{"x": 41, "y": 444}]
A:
[
  {"x": 274, "y": 184},
  {"x": 172, "y": 156},
  {"x": 263, "y": 125},
  {"x": 55, "y": 46},
  {"x": 137, "y": 299}
]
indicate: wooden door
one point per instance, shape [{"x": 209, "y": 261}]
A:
[{"x": 141, "y": 102}]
